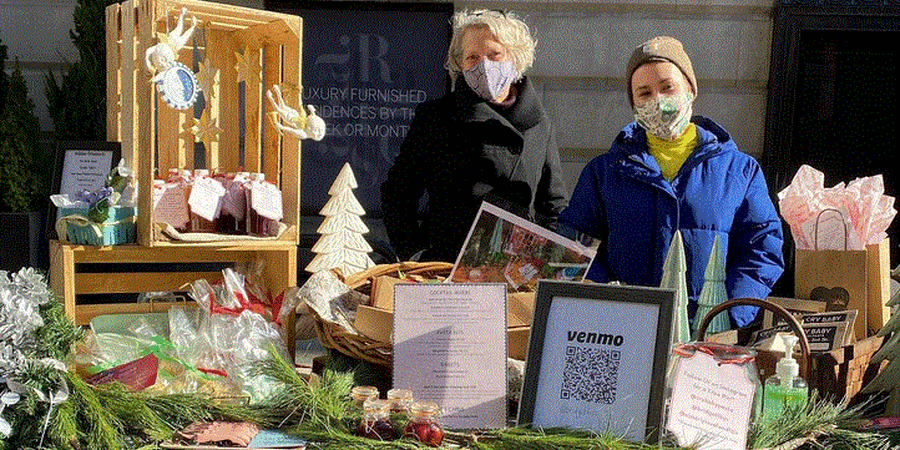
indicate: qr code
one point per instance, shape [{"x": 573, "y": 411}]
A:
[{"x": 591, "y": 374}]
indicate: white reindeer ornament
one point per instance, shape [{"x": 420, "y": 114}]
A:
[{"x": 300, "y": 124}]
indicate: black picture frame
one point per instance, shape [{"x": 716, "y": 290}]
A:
[
  {"x": 65, "y": 150},
  {"x": 550, "y": 292}
]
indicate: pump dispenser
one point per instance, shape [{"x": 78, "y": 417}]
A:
[{"x": 785, "y": 389}]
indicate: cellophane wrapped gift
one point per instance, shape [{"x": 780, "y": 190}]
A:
[{"x": 847, "y": 216}]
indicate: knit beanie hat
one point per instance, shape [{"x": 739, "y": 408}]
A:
[{"x": 660, "y": 48}]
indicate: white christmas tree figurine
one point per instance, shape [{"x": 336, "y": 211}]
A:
[
  {"x": 342, "y": 245},
  {"x": 713, "y": 293},
  {"x": 673, "y": 278},
  {"x": 886, "y": 380}
]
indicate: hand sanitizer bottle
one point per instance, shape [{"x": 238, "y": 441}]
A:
[{"x": 785, "y": 388}]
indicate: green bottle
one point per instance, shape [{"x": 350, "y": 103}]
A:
[{"x": 785, "y": 389}]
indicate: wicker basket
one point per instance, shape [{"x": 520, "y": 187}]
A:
[
  {"x": 356, "y": 345},
  {"x": 837, "y": 375},
  {"x": 765, "y": 360}
]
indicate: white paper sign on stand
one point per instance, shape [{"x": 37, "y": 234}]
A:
[
  {"x": 450, "y": 348},
  {"x": 712, "y": 402}
]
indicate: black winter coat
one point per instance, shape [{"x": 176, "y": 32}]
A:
[{"x": 459, "y": 150}]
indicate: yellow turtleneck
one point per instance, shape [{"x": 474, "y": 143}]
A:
[{"x": 672, "y": 154}]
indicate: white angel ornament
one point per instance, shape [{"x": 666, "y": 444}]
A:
[
  {"x": 175, "y": 81},
  {"x": 161, "y": 56},
  {"x": 300, "y": 124}
]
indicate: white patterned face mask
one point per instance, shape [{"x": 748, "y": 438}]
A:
[
  {"x": 489, "y": 78},
  {"x": 666, "y": 117}
]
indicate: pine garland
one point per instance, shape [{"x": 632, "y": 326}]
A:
[{"x": 317, "y": 409}]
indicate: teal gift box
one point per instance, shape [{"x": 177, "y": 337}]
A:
[{"x": 119, "y": 228}]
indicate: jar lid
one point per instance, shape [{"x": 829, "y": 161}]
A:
[
  {"x": 364, "y": 391},
  {"x": 424, "y": 407},
  {"x": 376, "y": 405},
  {"x": 401, "y": 394}
]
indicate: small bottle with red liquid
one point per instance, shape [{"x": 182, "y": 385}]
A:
[
  {"x": 423, "y": 424},
  {"x": 376, "y": 421}
]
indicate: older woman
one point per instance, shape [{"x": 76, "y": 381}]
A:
[{"x": 490, "y": 138}]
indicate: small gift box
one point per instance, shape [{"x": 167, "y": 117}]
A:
[{"x": 75, "y": 227}]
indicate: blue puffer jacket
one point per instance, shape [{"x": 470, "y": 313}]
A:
[{"x": 623, "y": 199}]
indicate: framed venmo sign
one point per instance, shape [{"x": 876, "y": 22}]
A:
[{"x": 597, "y": 358}]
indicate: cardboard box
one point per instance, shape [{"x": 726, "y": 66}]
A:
[
  {"x": 383, "y": 292},
  {"x": 519, "y": 309},
  {"x": 374, "y": 323},
  {"x": 517, "y": 342}
]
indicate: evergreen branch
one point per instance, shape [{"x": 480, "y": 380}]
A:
[{"x": 821, "y": 422}]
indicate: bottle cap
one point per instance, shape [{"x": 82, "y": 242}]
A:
[{"x": 787, "y": 366}]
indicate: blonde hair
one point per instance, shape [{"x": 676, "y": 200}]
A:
[{"x": 506, "y": 27}]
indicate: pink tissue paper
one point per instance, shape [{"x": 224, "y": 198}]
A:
[{"x": 844, "y": 217}]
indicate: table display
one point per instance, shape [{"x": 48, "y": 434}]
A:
[{"x": 508, "y": 334}]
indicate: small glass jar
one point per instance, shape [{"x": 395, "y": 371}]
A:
[
  {"x": 376, "y": 421},
  {"x": 400, "y": 399},
  {"x": 359, "y": 394},
  {"x": 423, "y": 424}
]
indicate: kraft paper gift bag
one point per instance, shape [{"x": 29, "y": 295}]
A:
[{"x": 847, "y": 279}]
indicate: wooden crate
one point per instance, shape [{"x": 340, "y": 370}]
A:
[
  {"x": 280, "y": 274},
  {"x": 154, "y": 136}
]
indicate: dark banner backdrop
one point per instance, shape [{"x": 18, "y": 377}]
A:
[{"x": 366, "y": 65}]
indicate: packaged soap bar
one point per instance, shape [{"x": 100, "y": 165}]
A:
[
  {"x": 265, "y": 208},
  {"x": 234, "y": 205},
  {"x": 205, "y": 201},
  {"x": 170, "y": 204}
]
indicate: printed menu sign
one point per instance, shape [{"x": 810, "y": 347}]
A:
[
  {"x": 450, "y": 348},
  {"x": 85, "y": 170}
]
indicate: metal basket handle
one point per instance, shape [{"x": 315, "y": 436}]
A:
[{"x": 792, "y": 322}]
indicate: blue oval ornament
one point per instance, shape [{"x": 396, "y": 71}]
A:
[{"x": 178, "y": 86}]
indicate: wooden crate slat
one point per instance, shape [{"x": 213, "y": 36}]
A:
[
  {"x": 125, "y": 282},
  {"x": 145, "y": 120},
  {"x": 253, "y": 97},
  {"x": 271, "y": 135},
  {"x": 290, "y": 153},
  {"x": 227, "y": 14},
  {"x": 113, "y": 72},
  {"x": 127, "y": 254},
  {"x": 126, "y": 123},
  {"x": 173, "y": 137},
  {"x": 220, "y": 53},
  {"x": 87, "y": 312},
  {"x": 278, "y": 32}
]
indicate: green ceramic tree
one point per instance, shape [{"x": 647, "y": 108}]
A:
[
  {"x": 674, "y": 278},
  {"x": 713, "y": 293}
]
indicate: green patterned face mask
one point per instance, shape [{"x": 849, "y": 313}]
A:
[{"x": 666, "y": 117}]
